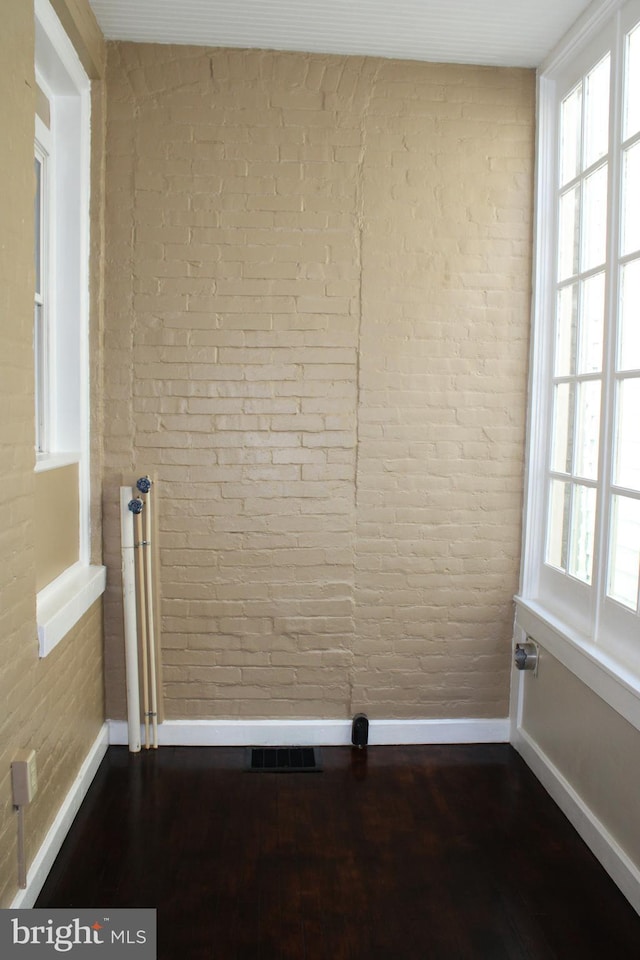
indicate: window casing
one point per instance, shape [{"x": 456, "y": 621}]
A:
[
  {"x": 581, "y": 563},
  {"x": 61, "y": 332},
  {"x": 65, "y": 275}
]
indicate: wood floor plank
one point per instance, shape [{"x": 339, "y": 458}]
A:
[{"x": 393, "y": 853}]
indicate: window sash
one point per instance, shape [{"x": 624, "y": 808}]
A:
[
  {"x": 562, "y": 473},
  {"x": 62, "y": 78}
]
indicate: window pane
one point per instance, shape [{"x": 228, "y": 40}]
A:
[
  {"x": 624, "y": 553},
  {"x": 570, "y": 135},
  {"x": 627, "y": 459},
  {"x": 569, "y": 238},
  {"x": 583, "y": 522},
  {"x": 631, "y": 199},
  {"x": 597, "y": 112},
  {"x": 566, "y": 330},
  {"x": 629, "y": 346},
  {"x": 592, "y": 325},
  {"x": 38, "y": 226},
  {"x": 587, "y": 430},
  {"x": 558, "y": 526},
  {"x": 594, "y": 230},
  {"x": 562, "y": 428},
  {"x": 632, "y": 84}
]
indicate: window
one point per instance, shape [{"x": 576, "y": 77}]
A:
[
  {"x": 62, "y": 161},
  {"x": 61, "y": 326},
  {"x": 582, "y": 550},
  {"x": 41, "y": 230}
]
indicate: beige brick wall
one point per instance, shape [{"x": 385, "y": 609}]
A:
[
  {"x": 445, "y": 296},
  {"x": 55, "y": 705},
  {"x": 317, "y": 312}
]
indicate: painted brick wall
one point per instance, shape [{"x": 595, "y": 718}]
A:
[
  {"x": 54, "y": 705},
  {"x": 445, "y": 298},
  {"x": 317, "y": 312}
]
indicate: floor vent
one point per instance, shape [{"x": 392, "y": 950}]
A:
[{"x": 284, "y": 760}]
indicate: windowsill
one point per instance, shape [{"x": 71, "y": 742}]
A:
[
  {"x": 51, "y": 461},
  {"x": 614, "y": 680},
  {"x": 62, "y": 603}
]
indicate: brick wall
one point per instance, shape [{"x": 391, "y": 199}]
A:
[
  {"x": 54, "y": 705},
  {"x": 317, "y": 310},
  {"x": 18, "y": 644},
  {"x": 445, "y": 297}
]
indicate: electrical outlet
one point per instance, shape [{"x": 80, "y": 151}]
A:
[{"x": 24, "y": 777}]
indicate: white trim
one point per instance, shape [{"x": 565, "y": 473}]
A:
[
  {"x": 622, "y": 870},
  {"x": 238, "y": 733},
  {"x": 47, "y": 18},
  {"x": 613, "y": 681},
  {"x": 84, "y": 372},
  {"x": 52, "y": 461},
  {"x": 516, "y": 688},
  {"x": 541, "y": 343},
  {"x": 64, "y": 601},
  {"x": 578, "y": 36},
  {"x": 50, "y": 847}
]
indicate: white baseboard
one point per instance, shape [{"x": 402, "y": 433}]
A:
[
  {"x": 622, "y": 870},
  {"x": 43, "y": 861},
  {"x": 338, "y": 733},
  {"x": 264, "y": 733}
]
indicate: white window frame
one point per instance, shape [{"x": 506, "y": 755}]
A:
[
  {"x": 43, "y": 154},
  {"x": 591, "y": 634},
  {"x": 61, "y": 76}
]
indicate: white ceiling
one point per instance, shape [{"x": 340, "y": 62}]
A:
[{"x": 493, "y": 32}]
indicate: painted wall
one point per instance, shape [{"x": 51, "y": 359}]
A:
[
  {"x": 590, "y": 743},
  {"x": 316, "y": 336},
  {"x": 55, "y": 705},
  {"x": 594, "y": 749},
  {"x": 56, "y": 523}
]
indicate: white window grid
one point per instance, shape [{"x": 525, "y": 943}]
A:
[{"x": 585, "y": 604}]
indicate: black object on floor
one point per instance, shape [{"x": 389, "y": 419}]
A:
[
  {"x": 284, "y": 760},
  {"x": 360, "y": 730}
]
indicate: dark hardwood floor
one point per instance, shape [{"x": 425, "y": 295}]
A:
[{"x": 394, "y": 853}]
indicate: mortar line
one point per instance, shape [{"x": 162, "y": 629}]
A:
[{"x": 360, "y": 244}]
